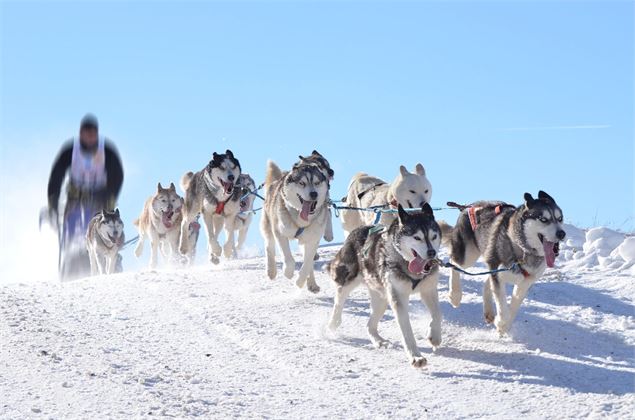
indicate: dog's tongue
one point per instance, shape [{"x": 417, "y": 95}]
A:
[
  {"x": 416, "y": 266},
  {"x": 167, "y": 219},
  {"x": 306, "y": 209},
  {"x": 550, "y": 255}
]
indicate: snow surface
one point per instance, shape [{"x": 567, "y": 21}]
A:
[{"x": 225, "y": 341}]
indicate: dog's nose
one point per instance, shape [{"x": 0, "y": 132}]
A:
[
  {"x": 561, "y": 234},
  {"x": 432, "y": 253},
  {"x": 422, "y": 204},
  {"x": 230, "y": 177},
  {"x": 313, "y": 194}
]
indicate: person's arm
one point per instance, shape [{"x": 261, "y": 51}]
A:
[
  {"x": 58, "y": 172},
  {"x": 114, "y": 174}
]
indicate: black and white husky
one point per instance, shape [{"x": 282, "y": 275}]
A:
[
  {"x": 213, "y": 193},
  {"x": 104, "y": 240},
  {"x": 393, "y": 264},
  {"x": 295, "y": 207},
  {"x": 525, "y": 237}
]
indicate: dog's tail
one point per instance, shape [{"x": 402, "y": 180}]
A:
[
  {"x": 186, "y": 180},
  {"x": 273, "y": 173},
  {"x": 446, "y": 232}
]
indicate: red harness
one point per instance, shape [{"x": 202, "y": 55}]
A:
[
  {"x": 220, "y": 207},
  {"x": 471, "y": 212}
]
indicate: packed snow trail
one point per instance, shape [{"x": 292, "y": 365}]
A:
[{"x": 226, "y": 341}]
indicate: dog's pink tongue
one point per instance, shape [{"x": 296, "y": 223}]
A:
[
  {"x": 166, "y": 220},
  {"x": 306, "y": 209},
  {"x": 416, "y": 266},
  {"x": 550, "y": 255}
]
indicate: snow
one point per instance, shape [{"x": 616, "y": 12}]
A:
[{"x": 220, "y": 341}]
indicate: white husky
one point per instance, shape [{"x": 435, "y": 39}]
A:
[{"x": 411, "y": 190}]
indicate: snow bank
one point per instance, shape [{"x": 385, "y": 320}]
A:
[{"x": 598, "y": 248}]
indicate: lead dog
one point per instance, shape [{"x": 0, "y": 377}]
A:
[
  {"x": 160, "y": 221},
  {"x": 295, "y": 207},
  {"x": 104, "y": 240},
  {"x": 525, "y": 237},
  {"x": 411, "y": 190},
  {"x": 393, "y": 264},
  {"x": 212, "y": 192}
]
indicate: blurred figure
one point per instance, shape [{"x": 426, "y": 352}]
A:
[{"x": 93, "y": 172}]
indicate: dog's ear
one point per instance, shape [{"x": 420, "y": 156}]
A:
[
  {"x": 420, "y": 169},
  {"x": 229, "y": 154},
  {"x": 427, "y": 211},
  {"x": 403, "y": 215},
  {"x": 403, "y": 171},
  {"x": 159, "y": 187},
  {"x": 172, "y": 187},
  {"x": 316, "y": 153},
  {"x": 545, "y": 197},
  {"x": 117, "y": 212},
  {"x": 302, "y": 158},
  {"x": 529, "y": 200}
]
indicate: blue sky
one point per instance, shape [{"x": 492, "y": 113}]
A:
[{"x": 494, "y": 99}]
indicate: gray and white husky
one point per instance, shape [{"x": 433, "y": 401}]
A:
[
  {"x": 295, "y": 207},
  {"x": 213, "y": 193},
  {"x": 393, "y": 264},
  {"x": 411, "y": 190},
  {"x": 316, "y": 158},
  {"x": 245, "y": 214},
  {"x": 160, "y": 221},
  {"x": 104, "y": 240},
  {"x": 527, "y": 236}
]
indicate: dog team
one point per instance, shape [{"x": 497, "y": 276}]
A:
[{"x": 393, "y": 252}]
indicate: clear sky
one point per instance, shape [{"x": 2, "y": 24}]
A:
[{"x": 494, "y": 99}]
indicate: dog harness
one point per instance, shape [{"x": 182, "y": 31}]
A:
[{"x": 363, "y": 193}]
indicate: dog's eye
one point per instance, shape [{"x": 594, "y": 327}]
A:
[
  {"x": 302, "y": 183},
  {"x": 317, "y": 182},
  {"x": 543, "y": 219},
  {"x": 413, "y": 192},
  {"x": 417, "y": 238},
  {"x": 426, "y": 191},
  {"x": 434, "y": 238},
  {"x": 560, "y": 219}
]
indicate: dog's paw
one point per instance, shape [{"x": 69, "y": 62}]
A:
[
  {"x": 214, "y": 259},
  {"x": 502, "y": 325},
  {"x": 435, "y": 340},
  {"x": 316, "y": 257},
  {"x": 489, "y": 317},
  {"x": 418, "y": 361},
  {"x": 455, "y": 298},
  {"x": 272, "y": 272},
  {"x": 289, "y": 268},
  {"x": 313, "y": 288},
  {"x": 380, "y": 343},
  {"x": 328, "y": 237},
  {"x": 228, "y": 252},
  {"x": 335, "y": 323},
  {"x": 300, "y": 282}
]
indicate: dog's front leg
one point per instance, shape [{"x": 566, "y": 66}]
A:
[
  {"x": 154, "y": 245},
  {"x": 242, "y": 235},
  {"x": 455, "y": 289},
  {"x": 378, "y": 305},
  {"x": 213, "y": 248},
  {"x": 430, "y": 297},
  {"x": 399, "y": 300},
  {"x": 502, "y": 308},
  {"x": 289, "y": 262},
  {"x": 229, "y": 247},
  {"x": 101, "y": 263},
  {"x": 94, "y": 268},
  {"x": 518, "y": 295},
  {"x": 112, "y": 262},
  {"x": 341, "y": 294},
  {"x": 328, "y": 232},
  {"x": 306, "y": 274}
]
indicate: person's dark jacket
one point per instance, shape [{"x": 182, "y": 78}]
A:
[{"x": 114, "y": 174}]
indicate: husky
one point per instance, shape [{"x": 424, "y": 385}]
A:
[
  {"x": 315, "y": 158},
  {"x": 393, "y": 263},
  {"x": 525, "y": 238},
  {"x": 160, "y": 221},
  {"x": 213, "y": 193},
  {"x": 295, "y": 207},
  {"x": 410, "y": 190},
  {"x": 104, "y": 240},
  {"x": 246, "y": 213}
]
